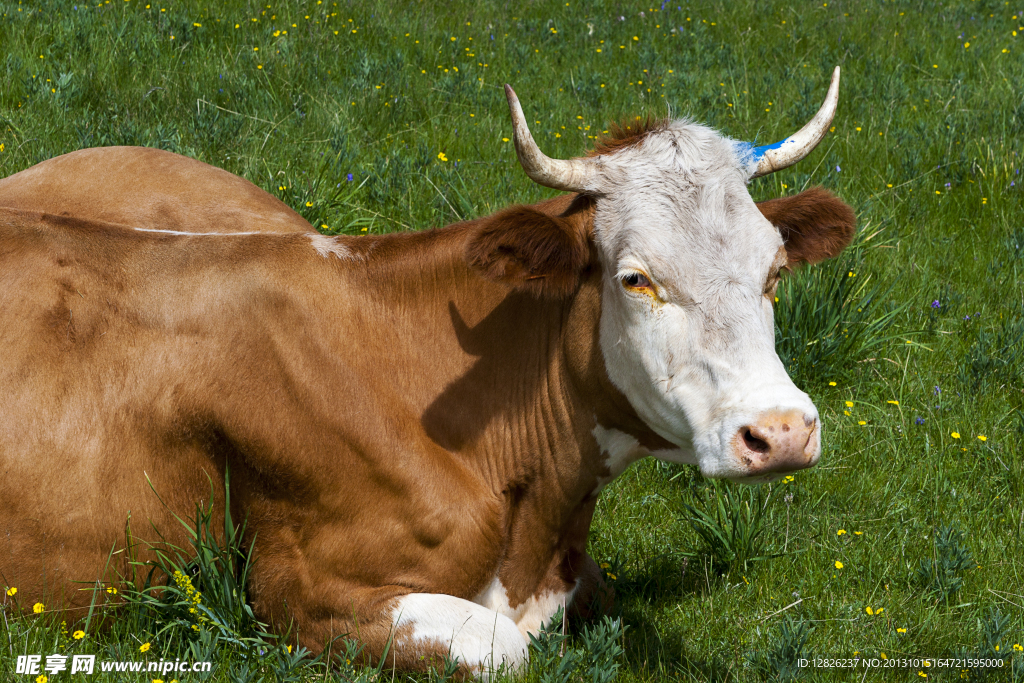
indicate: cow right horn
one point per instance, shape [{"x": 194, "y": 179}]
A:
[{"x": 573, "y": 175}]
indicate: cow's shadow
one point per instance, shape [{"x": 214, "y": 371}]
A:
[
  {"x": 512, "y": 347},
  {"x": 654, "y": 646}
]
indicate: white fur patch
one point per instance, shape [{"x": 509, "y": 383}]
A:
[
  {"x": 481, "y": 638},
  {"x": 197, "y": 234},
  {"x": 325, "y": 246},
  {"x": 620, "y": 449},
  {"x": 530, "y": 615}
]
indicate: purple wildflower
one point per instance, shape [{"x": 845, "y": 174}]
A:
[
  {"x": 349, "y": 177},
  {"x": 838, "y": 169},
  {"x": 936, "y": 304},
  {"x": 937, "y": 390},
  {"x": 919, "y": 420}
]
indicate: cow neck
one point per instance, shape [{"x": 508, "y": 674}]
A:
[{"x": 516, "y": 384}]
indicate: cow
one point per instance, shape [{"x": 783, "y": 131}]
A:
[{"x": 417, "y": 425}]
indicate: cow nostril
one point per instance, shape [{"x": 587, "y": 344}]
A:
[{"x": 755, "y": 444}]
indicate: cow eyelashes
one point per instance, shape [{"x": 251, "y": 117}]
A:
[{"x": 635, "y": 280}]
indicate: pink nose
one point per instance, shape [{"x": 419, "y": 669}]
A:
[{"x": 779, "y": 441}]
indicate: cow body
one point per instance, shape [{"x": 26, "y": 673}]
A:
[
  {"x": 417, "y": 425},
  {"x": 143, "y": 353}
]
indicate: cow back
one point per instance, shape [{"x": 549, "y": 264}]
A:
[{"x": 148, "y": 188}]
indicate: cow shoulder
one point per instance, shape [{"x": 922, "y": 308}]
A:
[
  {"x": 543, "y": 249},
  {"x": 815, "y": 224}
]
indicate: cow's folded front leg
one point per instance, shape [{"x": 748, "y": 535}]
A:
[
  {"x": 431, "y": 626},
  {"x": 407, "y": 631}
]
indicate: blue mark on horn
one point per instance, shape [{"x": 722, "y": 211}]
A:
[
  {"x": 759, "y": 152},
  {"x": 750, "y": 154}
]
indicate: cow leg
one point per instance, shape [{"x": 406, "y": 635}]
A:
[
  {"x": 408, "y": 631},
  {"x": 428, "y": 625},
  {"x": 593, "y": 598}
]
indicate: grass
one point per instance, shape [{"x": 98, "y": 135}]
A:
[{"x": 381, "y": 116}]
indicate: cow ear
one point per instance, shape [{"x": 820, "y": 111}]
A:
[
  {"x": 533, "y": 251},
  {"x": 815, "y": 224}
]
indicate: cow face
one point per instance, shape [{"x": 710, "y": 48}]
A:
[{"x": 689, "y": 268}]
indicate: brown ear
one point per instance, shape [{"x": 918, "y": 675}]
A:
[
  {"x": 531, "y": 250},
  {"x": 815, "y": 224}
]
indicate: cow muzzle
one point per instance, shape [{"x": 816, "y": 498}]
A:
[{"x": 778, "y": 442}]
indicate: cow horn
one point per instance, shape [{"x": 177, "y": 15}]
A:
[
  {"x": 771, "y": 158},
  {"x": 573, "y": 175}
]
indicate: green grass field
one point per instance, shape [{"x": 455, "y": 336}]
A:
[{"x": 907, "y": 540}]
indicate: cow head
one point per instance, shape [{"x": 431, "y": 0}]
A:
[{"x": 689, "y": 268}]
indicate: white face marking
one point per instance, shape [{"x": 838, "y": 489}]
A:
[
  {"x": 530, "y": 615},
  {"x": 481, "y": 638},
  {"x": 325, "y": 246},
  {"x": 695, "y": 352}
]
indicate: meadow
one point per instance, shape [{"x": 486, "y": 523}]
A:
[{"x": 906, "y": 541}]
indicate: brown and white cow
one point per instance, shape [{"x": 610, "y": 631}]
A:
[{"x": 418, "y": 424}]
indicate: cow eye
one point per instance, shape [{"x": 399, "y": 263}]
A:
[{"x": 636, "y": 280}]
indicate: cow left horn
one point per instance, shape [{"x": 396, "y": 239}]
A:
[
  {"x": 771, "y": 158},
  {"x": 573, "y": 175}
]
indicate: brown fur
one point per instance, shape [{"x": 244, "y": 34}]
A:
[
  {"x": 148, "y": 188},
  {"x": 142, "y": 353},
  {"x": 538, "y": 252},
  {"x": 628, "y": 133},
  {"x": 815, "y": 224}
]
